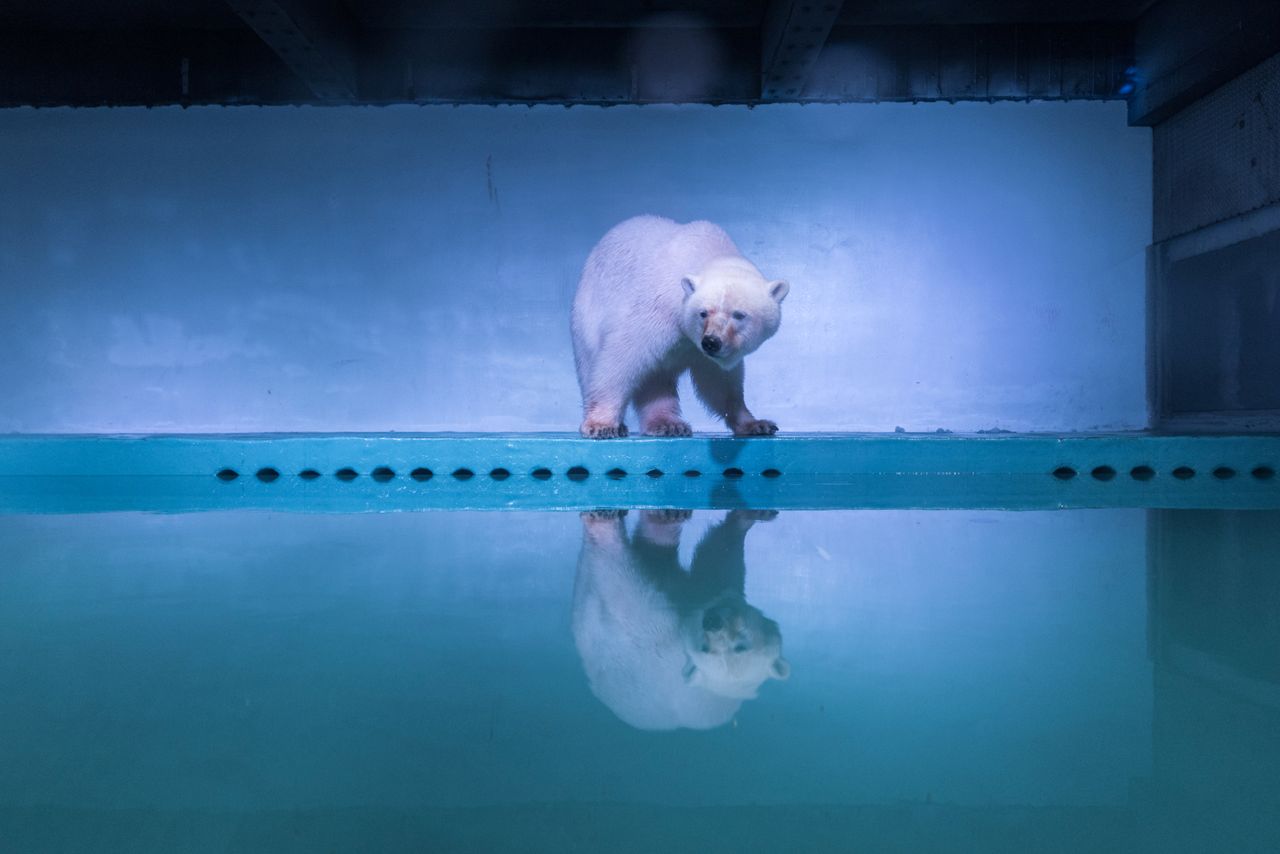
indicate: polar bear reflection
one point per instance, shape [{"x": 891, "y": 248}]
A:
[{"x": 664, "y": 648}]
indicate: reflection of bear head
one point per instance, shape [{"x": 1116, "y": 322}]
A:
[
  {"x": 730, "y": 310},
  {"x": 663, "y": 647},
  {"x": 732, "y": 648}
]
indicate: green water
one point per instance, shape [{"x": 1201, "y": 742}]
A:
[{"x": 887, "y": 680}]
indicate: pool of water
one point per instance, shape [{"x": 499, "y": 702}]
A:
[{"x": 835, "y": 680}]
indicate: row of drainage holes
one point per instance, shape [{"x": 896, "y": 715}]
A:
[
  {"x": 382, "y": 474},
  {"x": 1147, "y": 472}
]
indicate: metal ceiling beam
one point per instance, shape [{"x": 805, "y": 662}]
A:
[
  {"x": 981, "y": 62},
  {"x": 793, "y": 34},
  {"x": 86, "y": 68},
  {"x": 1186, "y": 48},
  {"x": 235, "y": 65},
  {"x": 312, "y": 38}
]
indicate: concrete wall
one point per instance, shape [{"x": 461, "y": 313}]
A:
[
  {"x": 961, "y": 266},
  {"x": 1219, "y": 157},
  {"x": 1215, "y": 280}
]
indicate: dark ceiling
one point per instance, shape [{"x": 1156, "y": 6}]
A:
[
  {"x": 63, "y": 52},
  {"x": 453, "y": 14}
]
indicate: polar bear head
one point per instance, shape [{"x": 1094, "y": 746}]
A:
[
  {"x": 730, "y": 309},
  {"x": 732, "y": 648}
]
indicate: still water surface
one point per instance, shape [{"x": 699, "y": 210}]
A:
[{"x": 672, "y": 681}]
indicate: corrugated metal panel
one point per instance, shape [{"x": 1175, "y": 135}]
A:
[{"x": 1219, "y": 157}]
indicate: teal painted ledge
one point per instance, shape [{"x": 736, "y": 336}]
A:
[{"x": 369, "y": 472}]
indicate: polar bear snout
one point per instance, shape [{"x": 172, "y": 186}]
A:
[
  {"x": 729, "y": 627},
  {"x": 711, "y": 344}
]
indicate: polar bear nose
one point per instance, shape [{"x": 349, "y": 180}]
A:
[{"x": 711, "y": 344}]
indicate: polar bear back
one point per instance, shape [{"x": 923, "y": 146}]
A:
[{"x": 632, "y": 278}]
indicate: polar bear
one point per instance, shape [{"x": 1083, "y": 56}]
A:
[
  {"x": 664, "y": 648},
  {"x": 658, "y": 298}
]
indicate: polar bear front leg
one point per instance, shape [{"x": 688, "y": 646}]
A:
[
  {"x": 604, "y": 527},
  {"x": 659, "y": 407},
  {"x": 603, "y": 421},
  {"x": 721, "y": 391}
]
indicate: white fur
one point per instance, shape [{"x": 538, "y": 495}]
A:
[
  {"x": 643, "y": 647},
  {"x": 637, "y": 326}
]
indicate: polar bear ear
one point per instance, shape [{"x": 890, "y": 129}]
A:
[
  {"x": 779, "y": 289},
  {"x": 781, "y": 668},
  {"x": 690, "y": 284}
]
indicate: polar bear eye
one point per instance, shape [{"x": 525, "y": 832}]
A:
[
  {"x": 738, "y": 315},
  {"x": 702, "y": 314}
]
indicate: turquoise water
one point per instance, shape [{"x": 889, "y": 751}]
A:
[{"x": 898, "y": 680}]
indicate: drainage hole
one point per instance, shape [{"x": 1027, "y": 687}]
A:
[
  {"x": 346, "y": 474},
  {"x": 499, "y": 474},
  {"x": 733, "y": 473},
  {"x": 1064, "y": 472},
  {"x": 1103, "y": 473},
  {"x": 615, "y": 474},
  {"x": 421, "y": 474},
  {"x": 654, "y": 472},
  {"x": 229, "y": 475},
  {"x": 308, "y": 474},
  {"x": 266, "y": 475},
  {"x": 463, "y": 474},
  {"x": 542, "y": 474},
  {"x": 382, "y": 474},
  {"x": 1264, "y": 472},
  {"x": 578, "y": 473},
  {"x": 771, "y": 473},
  {"x": 693, "y": 473},
  {"x": 1142, "y": 472},
  {"x": 1184, "y": 472},
  {"x": 1224, "y": 472}
]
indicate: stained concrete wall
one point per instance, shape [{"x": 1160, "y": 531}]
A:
[
  {"x": 965, "y": 266},
  {"x": 1215, "y": 280},
  {"x": 1219, "y": 157}
]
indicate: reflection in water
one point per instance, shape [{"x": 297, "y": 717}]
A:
[
  {"x": 1104, "y": 680},
  {"x": 663, "y": 647},
  {"x": 1215, "y": 649}
]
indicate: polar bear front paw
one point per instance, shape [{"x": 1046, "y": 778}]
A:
[
  {"x": 752, "y": 515},
  {"x": 755, "y": 427},
  {"x": 668, "y": 427},
  {"x": 603, "y": 430}
]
